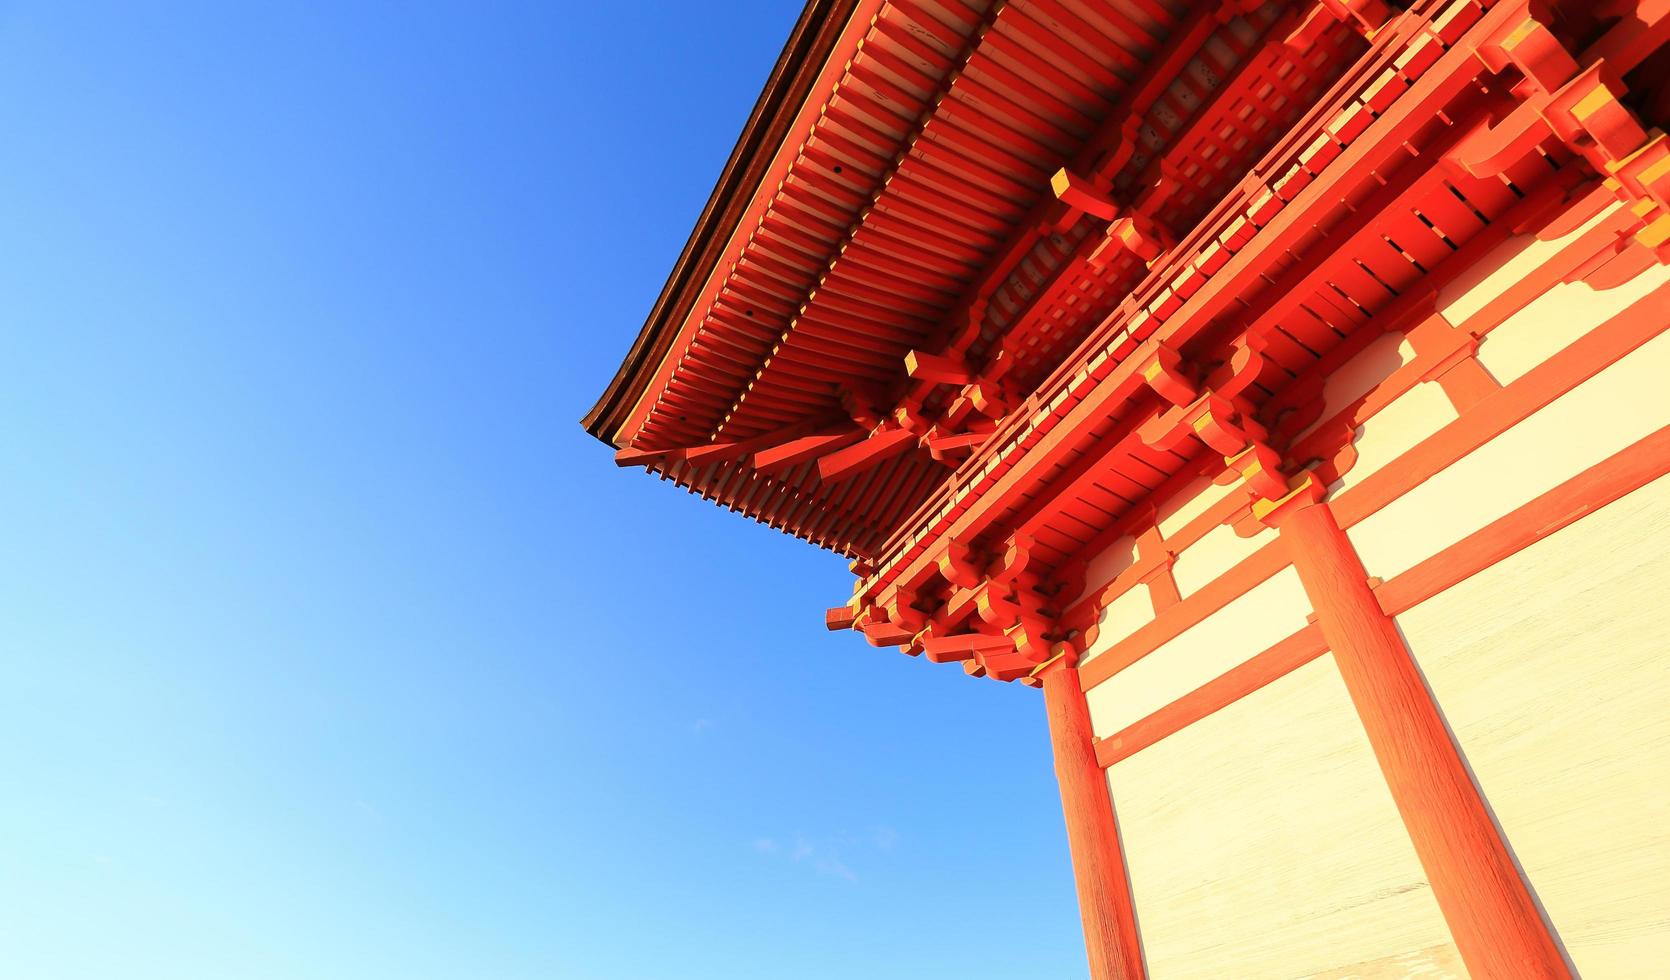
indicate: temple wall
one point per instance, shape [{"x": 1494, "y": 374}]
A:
[
  {"x": 1623, "y": 403},
  {"x": 1521, "y": 539},
  {"x": 1249, "y": 624},
  {"x": 1261, "y": 841},
  {"x": 1204, "y": 561},
  {"x": 1553, "y": 673}
]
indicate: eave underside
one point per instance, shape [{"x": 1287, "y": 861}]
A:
[{"x": 989, "y": 205}]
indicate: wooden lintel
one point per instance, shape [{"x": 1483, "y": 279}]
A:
[
  {"x": 879, "y": 447},
  {"x": 1008, "y": 665},
  {"x": 937, "y": 368},
  {"x": 1078, "y": 194},
  {"x": 838, "y": 618},
  {"x": 941, "y": 444},
  {"x": 638, "y": 457},
  {"x": 796, "y": 451},
  {"x": 887, "y": 635},
  {"x": 945, "y": 649},
  {"x": 735, "y": 449},
  {"x": 712, "y": 452}
]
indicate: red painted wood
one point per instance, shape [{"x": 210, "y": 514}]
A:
[
  {"x": 1162, "y": 584},
  {"x": 1110, "y": 932},
  {"x": 1589, "y": 491},
  {"x": 1494, "y": 920}
]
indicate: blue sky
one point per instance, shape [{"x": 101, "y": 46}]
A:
[{"x": 333, "y": 647}]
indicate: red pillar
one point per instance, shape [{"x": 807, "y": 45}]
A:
[
  {"x": 1110, "y": 932},
  {"x": 1491, "y": 915}
]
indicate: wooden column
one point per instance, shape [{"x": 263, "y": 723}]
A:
[
  {"x": 1110, "y": 932},
  {"x": 1490, "y": 912}
]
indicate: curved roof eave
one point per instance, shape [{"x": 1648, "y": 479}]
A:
[{"x": 814, "y": 36}]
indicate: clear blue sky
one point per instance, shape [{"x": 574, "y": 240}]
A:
[{"x": 333, "y": 647}]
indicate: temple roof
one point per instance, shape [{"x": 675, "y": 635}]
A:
[{"x": 914, "y": 231}]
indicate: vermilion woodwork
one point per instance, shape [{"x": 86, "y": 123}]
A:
[
  {"x": 1594, "y": 488},
  {"x": 1110, "y": 933},
  {"x": 1171, "y": 622},
  {"x": 1162, "y": 585},
  {"x": 1490, "y": 911},
  {"x": 992, "y": 286},
  {"x": 1604, "y": 345}
]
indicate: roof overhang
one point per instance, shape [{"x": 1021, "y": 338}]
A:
[{"x": 793, "y": 79}]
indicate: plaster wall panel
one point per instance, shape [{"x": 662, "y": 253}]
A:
[
  {"x": 1106, "y": 566},
  {"x": 1618, "y": 406},
  {"x": 1553, "y": 670},
  {"x": 1262, "y": 842},
  {"x": 1502, "y": 267},
  {"x": 1192, "y": 501},
  {"x": 1558, "y": 317},
  {"x": 1234, "y": 634},
  {"x": 1132, "y": 610},
  {"x": 1361, "y": 374},
  {"x": 1399, "y": 427},
  {"x": 1215, "y": 553}
]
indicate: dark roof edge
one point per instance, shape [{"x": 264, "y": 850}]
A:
[{"x": 815, "y": 34}]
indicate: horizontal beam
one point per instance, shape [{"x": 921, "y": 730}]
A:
[
  {"x": 796, "y": 451},
  {"x": 880, "y": 446},
  {"x": 944, "y": 649},
  {"x": 1079, "y": 195},
  {"x": 937, "y": 368}
]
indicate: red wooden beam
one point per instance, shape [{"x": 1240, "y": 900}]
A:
[
  {"x": 1081, "y": 196},
  {"x": 839, "y": 618},
  {"x": 1490, "y": 911},
  {"x": 944, "y": 649},
  {"x": 882, "y": 445},
  {"x": 796, "y": 451},
  {"x": 937, "y": 368},
  {"x": 638, "y": 457},
  {"x": 1278, "y": 661},
  {"x": 1624, "y": 472}
]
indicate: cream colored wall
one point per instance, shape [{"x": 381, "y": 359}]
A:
[
  {"x": 1123, "y": 616},
  {"x": 1104, "y": 567},
  {"x": 1196, "y": 566},
  {"x": 1360, "y": 374},
  {"x": 1262, "y": 842},
  {"x": 1243, "y": 628},
  {"x": 1525, "y": 339},
  {"x": 1618, "y": 406},
  {"x": 1215, "y": 553},
  {"x": 1561, "y": 315},
  {"x": 1553, "y": 670},
  {"x": 1505, "y": 265},
  {"x": 1191, "y": 502},
  {"x": 1407, "y": 422}
]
